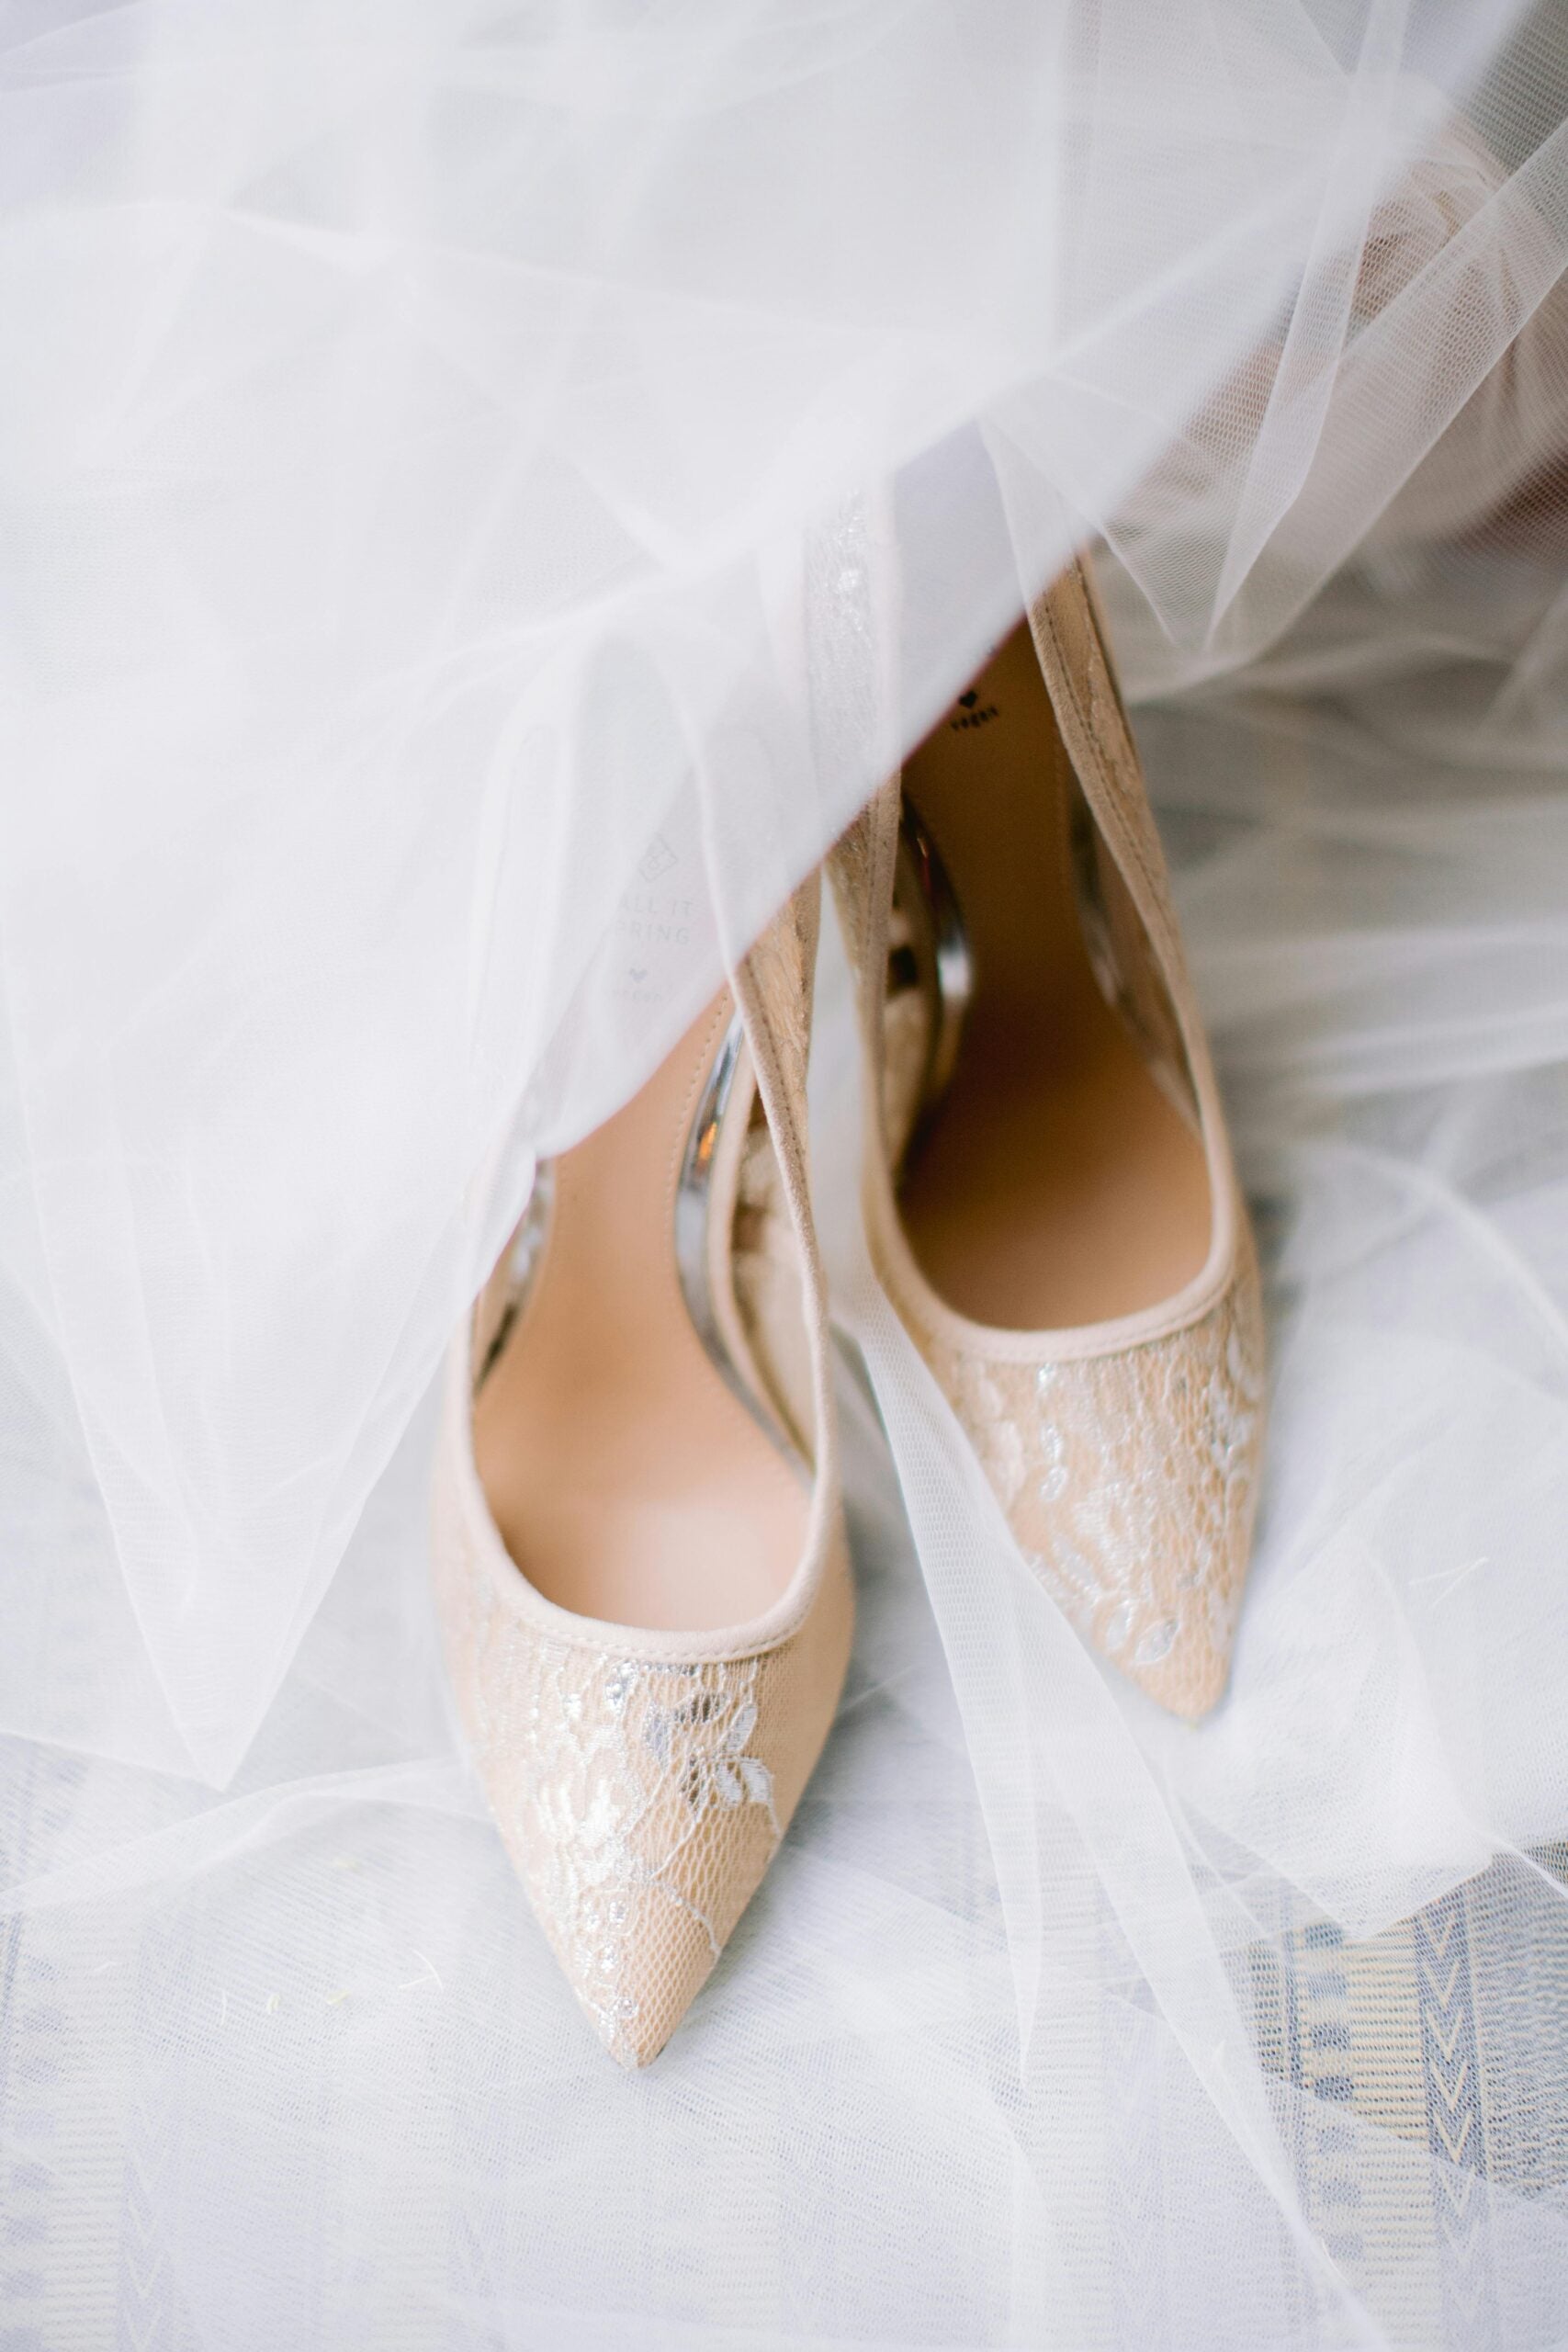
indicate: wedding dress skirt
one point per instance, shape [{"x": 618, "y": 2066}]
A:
[{"x": 489, "y": 491}]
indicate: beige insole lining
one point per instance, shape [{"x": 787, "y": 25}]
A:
[
  {"x": 627, "y": 1481},
  {"x": 1055, "y": 1183}
]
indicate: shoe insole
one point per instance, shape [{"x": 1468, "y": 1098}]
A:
[
  {"x": 1055, "y": 1183},
  {"x": 627, "y": 1481}
]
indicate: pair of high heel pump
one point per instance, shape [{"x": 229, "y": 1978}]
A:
[{"x": 641, "y": 1566}]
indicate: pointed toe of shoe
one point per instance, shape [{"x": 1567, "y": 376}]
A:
[
  {"x": 641, "y": 1804},
  {"x": 641, "y": 1797},
  {"x": 1130, "y": 1482},
  {"x": 639, "y": 1963},
  {"x": 1177, "y": 1648},
  {"x": 639, "y": 1889}
]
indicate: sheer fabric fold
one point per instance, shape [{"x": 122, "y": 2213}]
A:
[{"x": 488, "y": 490}]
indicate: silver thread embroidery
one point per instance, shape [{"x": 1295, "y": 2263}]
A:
[
  {"x": 1128, "y": 1478},
  {"x": 615, "y": 1769}
]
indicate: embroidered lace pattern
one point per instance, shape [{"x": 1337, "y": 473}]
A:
[
  {"x": 630, "y": 1792},
  {"x": 1130, "y": 1482}
]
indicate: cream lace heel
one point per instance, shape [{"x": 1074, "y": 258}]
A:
[
  {"x": 1049, "y": 1194},
  {"x": 639, "y": 1554}
]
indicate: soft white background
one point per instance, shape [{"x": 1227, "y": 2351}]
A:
[{"x": 415, "y": 426}]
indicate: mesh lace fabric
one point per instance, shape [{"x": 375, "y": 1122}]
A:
[
  {"x": 412, "y": 420},
  {"x": 1055, "y": 1440}
]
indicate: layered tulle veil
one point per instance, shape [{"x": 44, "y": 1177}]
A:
[{"x": 489, "y": 490}]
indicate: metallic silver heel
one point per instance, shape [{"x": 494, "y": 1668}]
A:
[{"x": 929, "y": 954}]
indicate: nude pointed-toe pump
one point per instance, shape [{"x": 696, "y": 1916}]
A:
[
  {"x": 1049, "y": 1194},
  {"x": 640, "y": 1553}
]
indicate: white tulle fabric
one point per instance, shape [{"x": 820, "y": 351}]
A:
[{"x": 427, "y": 432}]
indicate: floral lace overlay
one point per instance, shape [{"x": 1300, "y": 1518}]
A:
[
  {"x": 1130, "y": 1482},
  {"x": 641, "y": 1800},
  {"x": 634, "y": 1801},
  {"x": 642, "y": 1788}
]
